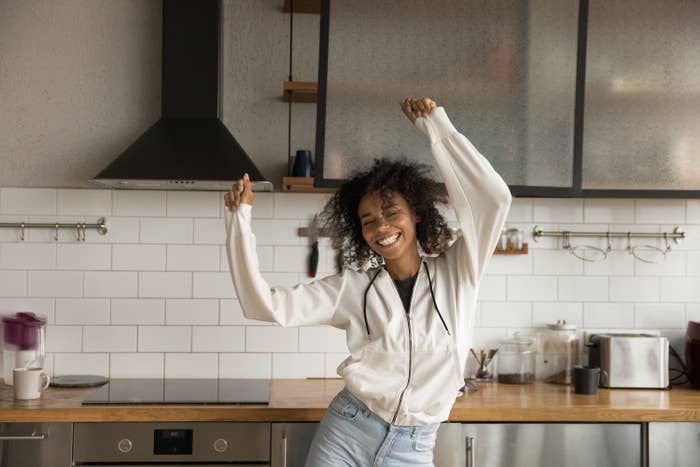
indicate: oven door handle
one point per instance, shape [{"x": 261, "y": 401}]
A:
[{"x": 22, "y": 437}]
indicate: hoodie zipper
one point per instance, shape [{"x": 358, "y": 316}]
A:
[{"x": 410, "y": 344}]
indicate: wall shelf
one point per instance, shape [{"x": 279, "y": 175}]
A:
[
  {"x": 510, "y": 250},
  {"x": 303, "y": 185},
  {"x": 300, "y": 91}
]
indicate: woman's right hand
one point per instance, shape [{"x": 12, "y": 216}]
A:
[{"x": 241, "y": 192}]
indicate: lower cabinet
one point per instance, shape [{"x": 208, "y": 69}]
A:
[
  {"x": 674, "y": 444},
  {"x": 538, "y": 445},
  {"x": 36, "y": 444},
  {"x": 290, "y": 443}
]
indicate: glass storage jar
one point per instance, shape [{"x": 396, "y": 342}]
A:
[
  {"x": 560, "y": 347},
  {"x": 516, "y": 360}
]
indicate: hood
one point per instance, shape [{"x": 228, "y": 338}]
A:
[{"x": 189, "y": 147}]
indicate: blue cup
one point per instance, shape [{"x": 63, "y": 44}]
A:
[{"x": 302, "y": 164}]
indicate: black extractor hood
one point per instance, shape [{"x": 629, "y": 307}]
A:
[{"x": 189, "y": 147}]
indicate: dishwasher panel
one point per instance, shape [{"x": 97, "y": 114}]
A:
[{"x": 36, "y": 444}]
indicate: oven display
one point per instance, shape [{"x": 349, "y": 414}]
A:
[{"x": 172, "y": 442}]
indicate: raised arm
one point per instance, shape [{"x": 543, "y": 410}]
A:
[
  {"x": 477, "y": 193},
  {"x": 303, "y": 304}
]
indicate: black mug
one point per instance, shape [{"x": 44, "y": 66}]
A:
[
  {"x": 586, "y": 379},
  {"x": 302, "y": 164}
]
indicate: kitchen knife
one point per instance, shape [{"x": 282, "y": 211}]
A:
[{"x": 313, "y": 256}]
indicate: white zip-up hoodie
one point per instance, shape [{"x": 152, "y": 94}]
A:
[{"x": 409, "y": 369}]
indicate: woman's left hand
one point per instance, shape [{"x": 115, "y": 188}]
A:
[{"x": 416, "y": 108}]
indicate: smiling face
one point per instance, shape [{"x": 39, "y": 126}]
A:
[{"x": 389, "y": 228}]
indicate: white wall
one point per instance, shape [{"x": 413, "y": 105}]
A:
[{"x": 153, "y": 297}]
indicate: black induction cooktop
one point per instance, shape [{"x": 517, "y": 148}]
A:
[{"x": 181, "y": 391}]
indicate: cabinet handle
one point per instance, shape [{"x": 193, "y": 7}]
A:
[
  {"x": 22, "y": 437},
  {"x": 284, "y": 449},
  {"x": 471, "y": 448}
]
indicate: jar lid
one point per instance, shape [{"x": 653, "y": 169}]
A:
[
  {"x": 562, "y": 326},
  {"x": 522, "y": 343}
]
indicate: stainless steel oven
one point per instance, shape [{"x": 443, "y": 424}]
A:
[{"x": 136, "y": 444}]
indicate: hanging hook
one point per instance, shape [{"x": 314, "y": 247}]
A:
[
  {"x": 629, "y": 243},
  {"x": 21, "y": 232},
  {"x": 55, "y": 237},
  {"x": 609, "y": 248},
  {"x": 668, "y": 246}
]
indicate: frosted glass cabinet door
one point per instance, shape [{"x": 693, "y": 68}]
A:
[
  {"x": 505, "y": 71},
  {"x": 642, "y": 107}
]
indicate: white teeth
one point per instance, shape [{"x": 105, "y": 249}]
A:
[{"x": 389, "y": 240}]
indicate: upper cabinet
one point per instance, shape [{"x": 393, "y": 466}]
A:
[
  {"x": 564, "y": 98},
  {"x": 642, "y": 104}
]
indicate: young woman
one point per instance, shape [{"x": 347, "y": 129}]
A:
[{"x": 409, "y": 318}]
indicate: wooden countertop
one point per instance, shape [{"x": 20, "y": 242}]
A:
[{"x": 307, "y": 399}]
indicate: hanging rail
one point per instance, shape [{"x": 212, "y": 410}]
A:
[
  {"x": 677, "y": 235},
  {"x": 80, "y": 227}
]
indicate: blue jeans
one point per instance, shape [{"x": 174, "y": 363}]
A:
[{"x": 351, "y": 435}]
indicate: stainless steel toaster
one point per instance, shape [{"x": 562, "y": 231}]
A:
[{"x": 633, "y": 361}]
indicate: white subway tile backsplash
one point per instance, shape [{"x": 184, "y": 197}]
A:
[
  {"x": 164, "y": 339},
  {"x": 680, "y": 289},
  {"x": 166, "y": 230},
  {"x": 692, "y": 211},
  {"x": 263, "y": 205},
  {"x": 492, "y": 288},
  {"x": 109, "y": 339},
  {"x": 82, "y": 311},
  {"x": 193, "y": 258},
  {"x": 322, "y": 339},
  {"x": 27, "y": 201},
  {"x": 609, "y": 211},
  {"x": 520, "y": 210},
  {"x": 138, "y": 203},
  {"x": 188, "y": 311},
  {"x": 659, "y": 315},
  {"x": 524, "y": 288},
  {"x": 110, "y": 284},
  {"x": 136, "y": 365},
  {"x": 81, "y": 364},
  {"x": 154, "y": 297},
  {"x": 660, "y": 211},
  {"x": 557, "y": 262},
  {"x": 83, "y": 256},
  {"x": 299, "y": 205},
  {"x": 275, "y": 232},
  {"x": 55, "y": 283},
  {"x": 27, "y": 256},
  {"x": 634, "y": 289},
  {"x": 544, "y": 313},
  {"x": 119, "y": 230},
  {"x": 218, "y": 339},
  {"x": 165, "y": 284},
  {"x": 189, "y": 365},
  {"x": 84, "y": 202},
  {"x": 194, "y": 203},
  {"x": 583, "y": 288},
  {"x": 138, "y": 311},
  {"x": 557, "y": 210},
  {"x": 138, "y": 257},
  {"x": 213, "y": 285},
  {"x": 64, "y": 338},
  {"x": 271, "y": 339},
  {"x": 608, "y": 315},
  {"x": 209, "y": 231},
  {"x": 298, "y": 365},
  {"x": 510, "y": 264},
  {"x": 245, "y": 365},
  {"x": 502, "y": 314}
]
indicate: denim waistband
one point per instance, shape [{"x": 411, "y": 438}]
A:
[{"x": 405, "y": 428}]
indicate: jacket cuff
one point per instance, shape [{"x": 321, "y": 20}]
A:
[{"x": 436, "y": 126}]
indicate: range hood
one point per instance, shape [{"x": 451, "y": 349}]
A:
[{"x": 189, "y": 147}]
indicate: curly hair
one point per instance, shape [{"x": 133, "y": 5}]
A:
[{"x": 386, "y": 176}]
